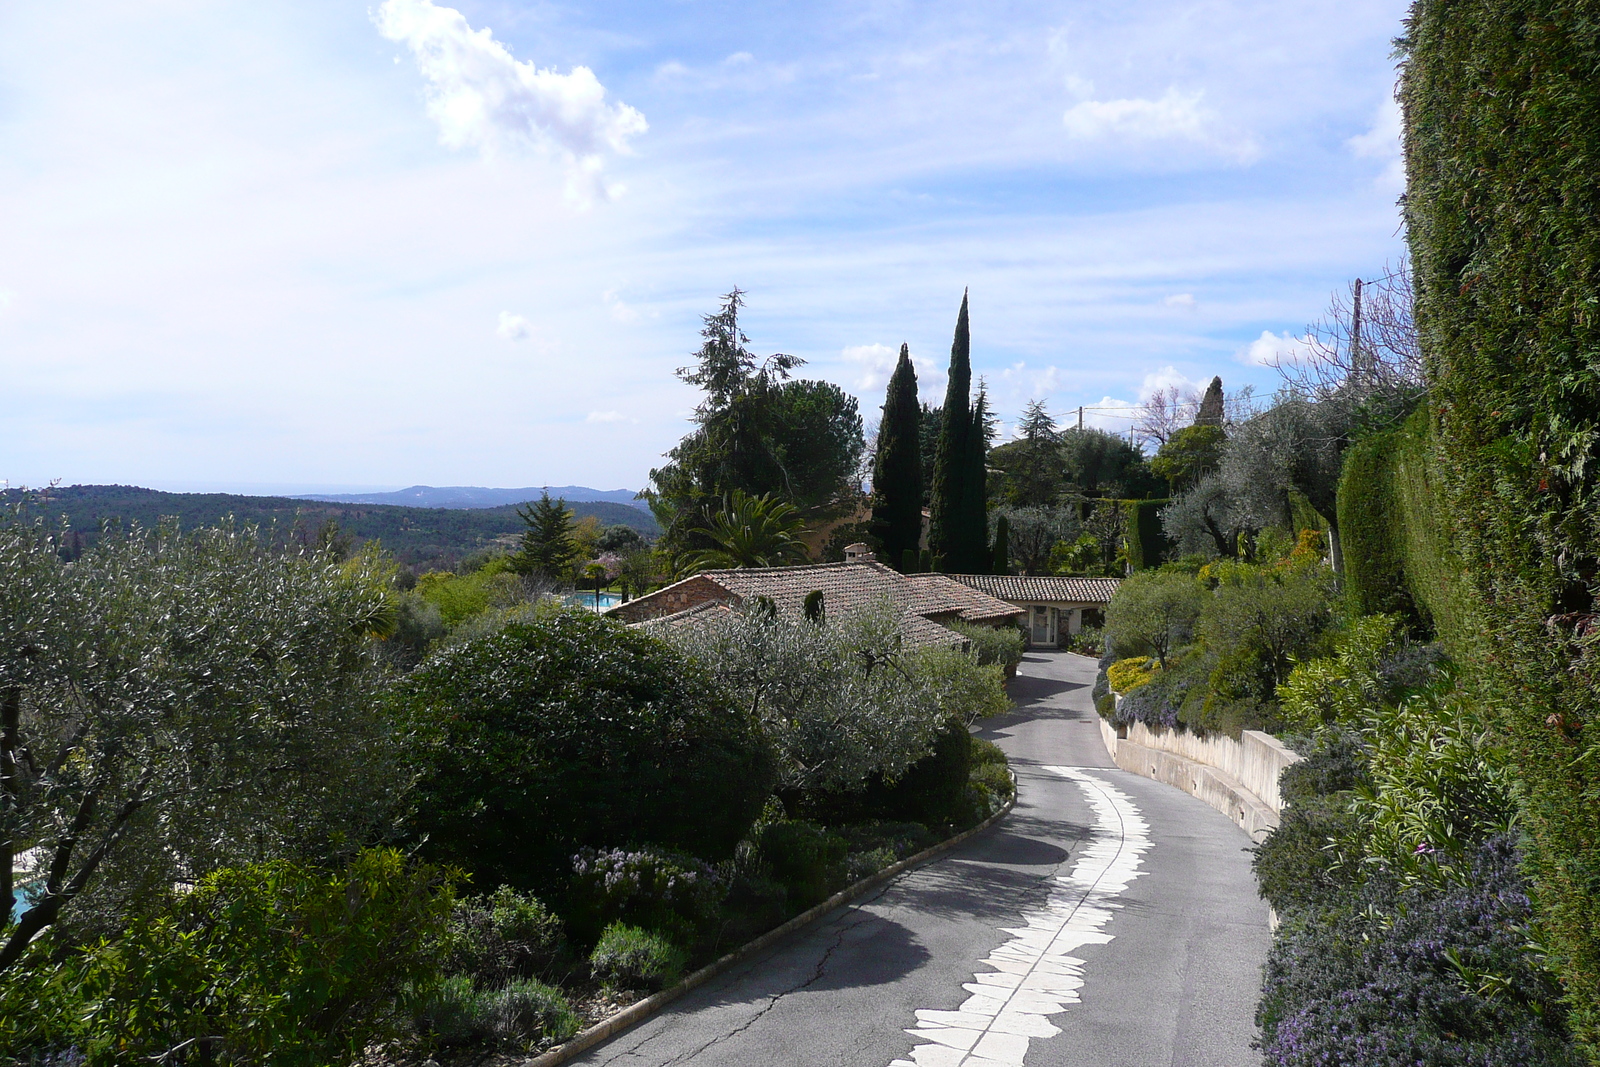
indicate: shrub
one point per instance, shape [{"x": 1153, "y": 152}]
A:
[
  {"x": 1161, "y": 701},
  {"x": 1259, "y": 622},
  {"x": 657, "y": 890},
  {"x": 1343, "y": 688},
  {"x": 806, "y": 859},
  {"x": 1422, "y": 976},
  {"x": 1002, "y": 646},
  {"x": 630, "y": 958},
  {"x": 572, "y": 731},
  {"x": 1088, "y": 641},
  {"x": 1128, "y": 674},
  {"x": 522, "y": 1014},
  {"x": 272, "y": 963},
  {"x": 503, "y": 935},
  {"x": 990, "y": 778}
]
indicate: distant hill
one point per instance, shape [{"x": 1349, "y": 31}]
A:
[
  {"x": 474, "y": 496},
  {"x": 436, "y": 537}
]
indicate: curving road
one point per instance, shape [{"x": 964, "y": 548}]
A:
[{"x": 1108, "y": 921}]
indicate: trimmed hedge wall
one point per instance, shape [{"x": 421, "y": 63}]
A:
[
  {"x": 1502, "y": 106},
  {"x": 1147, "y": 544},
  {"x": 1370, "y": 524}
]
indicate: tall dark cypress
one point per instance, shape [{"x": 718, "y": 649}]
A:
[
  {"x": 948, "y": 540},
  {"x": 897, "y": 468},
  {"x": 975, "y": 490}
]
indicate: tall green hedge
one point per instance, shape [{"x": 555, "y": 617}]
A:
[
  {"x": 1147, "y": 544},
  {"x": 1370, "y": 525},
  {"x": 1502, "y": 108}
]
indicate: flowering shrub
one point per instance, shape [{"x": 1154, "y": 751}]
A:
[
  {"x": 1418, "y": 977},
  {"x": 666, "y": 891},
  {"x": 1126, "y": 675}
]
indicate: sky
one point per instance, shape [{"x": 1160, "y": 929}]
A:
[{"x": 332, "y": 244}]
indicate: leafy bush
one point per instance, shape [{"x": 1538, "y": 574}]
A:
[
  {"x": 503, "y": 935},
  {"x": 840, "y": 699},
  {"x": 271, "y": 964},
  {"x": 1126, "y": 675},
  {"x": 1169, "y": 698},
  {"x": 806, "y": 859},
  {"x": 522, "y": 1014},
  {"x": 1401, "y": 977},
  {"x": 1260, "y": 621},
  {"x": 1153, "y": 613},
  {"x": 991, "y": 645},
  {"x": 630, "y": 958},
  {"x": 1343, "y": 688},
  {"x": 572, "y": 731},
  {"x": 657, "y": 890},
  {"x": 1088, "y": 641}
]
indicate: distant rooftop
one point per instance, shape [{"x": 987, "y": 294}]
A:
[{"x": 1042, "y": 588}]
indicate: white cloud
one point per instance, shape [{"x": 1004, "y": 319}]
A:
[
  {"x": 6, "y": 297},
  {"x": 1175, "y": 116},
  {"x": 514, "y": 328},
  {"x": 483, "y": 98},
  {"x": 1382, "y": 142},
  {"x": 876, "y": 363},
  {"x": 738, "y": 58},
  {"x": 1270, "y": 349},
  {"x": 1185, "y": 301},
  {"x": 1166, "y": 378},
  {"x": 1109, "y": 414},
  {"x": 606, "y": 416}
]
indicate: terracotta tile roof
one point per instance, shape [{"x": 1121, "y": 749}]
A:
[
  {"x": 1040, "y": 589},
  {"x": 922, "y": 598}
]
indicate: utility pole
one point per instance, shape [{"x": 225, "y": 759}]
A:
[
  {"x": 1358, "y": 364},
  {"x": 1080, "y": 418}
]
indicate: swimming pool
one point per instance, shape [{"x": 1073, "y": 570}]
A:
[{"x": 595, "y": 601}]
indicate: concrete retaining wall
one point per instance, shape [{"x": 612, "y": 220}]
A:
[{"x": 1238, "y": 778}]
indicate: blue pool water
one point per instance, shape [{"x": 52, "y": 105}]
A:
[{"x": 595, "y": 601}]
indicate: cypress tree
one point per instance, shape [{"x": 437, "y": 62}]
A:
[
  {"x": 975, "y": 488},
  {"x": 897, "y": 468},
  {"x": 1002, "y": 545},
  {"x": 948, "y": 541}
]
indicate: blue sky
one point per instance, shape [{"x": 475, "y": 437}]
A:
[{"x": 324, "y": 244}]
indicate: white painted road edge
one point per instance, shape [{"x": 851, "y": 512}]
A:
[{"x": 1034, "y": 975}]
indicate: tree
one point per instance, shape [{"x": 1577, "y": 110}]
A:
[
  {"x": 897, "y": 471},
  {"x": 547, "y": 543},
  {"x": 1035, "y": 475},
  {"x": 1188, "y": 454},
  {"x": 1204, "y": 520},
  {"x": 975, "y": 488},
  {"x": 752, "y": 531},
  {"x": 931, "y": 426},
  {"x": 1033, "y": 531},
  {"x": 1164, "y": 414},
  {"x": 755, "y": 431},
  {"x": 1002, "y": 546},
  {"x": 1212, "y": 411},
  {"x": 1153, "y": 613},
  {"x": 173, "y": 703},
  {"x": 947, "y": 530},
  {"x": 1101, "y": 464}
]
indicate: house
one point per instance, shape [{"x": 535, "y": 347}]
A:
[
  {"x": 926, "y": 601},
  {"x": 1056, "y": 607}
]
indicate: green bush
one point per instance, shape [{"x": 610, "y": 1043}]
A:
[
  {"x": 806, "y": 859},
  {"x": 1153, "y": 613},
  {"x": 572, "y": 731},
  {"x": 630, "y": 958},
  {"x": 1002, "y": 645},
  {"x": 1371, "y": 532},
  {"x": 1147, "y": 544},
  {"x": 503, "y": 935},
  {"x": 1260, "y": 621},
  {"x": 522, "y": 1014},
  {"x": 267, "y": 964},
  {"x": 658, "y": 890}
]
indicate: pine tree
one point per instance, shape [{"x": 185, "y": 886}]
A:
[
  {"x": 948, "y": 541},
  {"x": 547, "y": 544},
  {"x": 1210, "y": 413},
  {"x": 897, "y": 468}
]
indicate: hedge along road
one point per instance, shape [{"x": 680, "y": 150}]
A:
[{"x": 1109, "y": 921}]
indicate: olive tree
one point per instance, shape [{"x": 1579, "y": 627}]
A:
[
  {"x": 840, "y": 698},
  {"x": 171, "y": 703},
  {"x": 1153, "y": 613}
]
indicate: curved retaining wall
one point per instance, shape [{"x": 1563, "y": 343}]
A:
[{"x": 1238, "y": 778}]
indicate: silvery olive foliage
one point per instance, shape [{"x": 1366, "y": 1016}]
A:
[
  {"x": 176, "y": 702},
  {"x": 840, "y": 698}
]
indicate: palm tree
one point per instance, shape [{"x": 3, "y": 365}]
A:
[{"x": 751, "y": 531}]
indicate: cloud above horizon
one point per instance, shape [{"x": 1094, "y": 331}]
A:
[{"x": 482, "y": 97}]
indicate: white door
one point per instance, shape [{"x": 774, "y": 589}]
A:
[{"x": 1041, "y": 625}]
